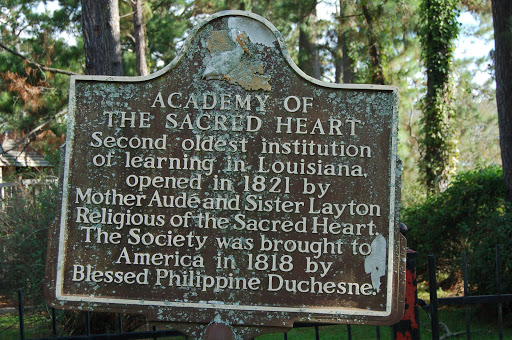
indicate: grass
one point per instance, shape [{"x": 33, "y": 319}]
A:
[
  {"x": 424, "y": 293},
  {"x": 454, "y": 319},
  {"x": 484, "y": 326},
  {"x": 483, "y": 323},
  {"x": 35, "y": 325}
]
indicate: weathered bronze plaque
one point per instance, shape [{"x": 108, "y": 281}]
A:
[{"x": 230, "y": 186}]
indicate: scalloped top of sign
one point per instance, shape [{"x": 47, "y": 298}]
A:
[{"x": 233, "y": 54}]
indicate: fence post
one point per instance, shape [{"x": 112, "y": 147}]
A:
[
  {"x": 409, "y": 327},
  {"x": 466, "y": 293},
  {"x": 432, "y": 283},
  {"x": 20, "y": 311},
  {"x": 498, "y": 286}
]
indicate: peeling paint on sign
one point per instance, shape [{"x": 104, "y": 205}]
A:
[
  {"x": 230, "y": 60},
  {"x": 375, "y": 263}
]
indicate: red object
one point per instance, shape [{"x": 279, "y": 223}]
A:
[{"x": 408, "y": 328}]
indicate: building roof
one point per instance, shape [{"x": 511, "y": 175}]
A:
[{"x": 17, "y": 152}]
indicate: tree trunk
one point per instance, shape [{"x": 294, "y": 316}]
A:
[
  {"x": 338, "y": 64},
  {"x": 502, "y": 17},
  {"x": 344, "y": 64},
  {"x": 348, "y": 62},
  {"x": 377, "y": 72},
  {"x": 309, "y": 58},
  {"x": 439, "y": 139},
  {"x": 102, "y": 37},
  {"x": 139, "y": 33}
]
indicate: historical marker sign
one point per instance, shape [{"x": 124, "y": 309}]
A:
[{"x": 230, "y": 185}]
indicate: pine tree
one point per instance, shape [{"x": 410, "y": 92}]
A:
[{"x": 502, "y": 17}]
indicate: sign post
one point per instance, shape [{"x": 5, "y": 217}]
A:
[{"x": 230, "y": 187}]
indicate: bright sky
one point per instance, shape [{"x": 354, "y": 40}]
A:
[{"x": 469, "y": 46}]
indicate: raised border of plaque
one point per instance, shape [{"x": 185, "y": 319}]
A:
[{"x": 235, "y": 312}]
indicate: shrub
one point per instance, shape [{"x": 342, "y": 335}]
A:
[
  {"x": 24, "y": 222},
  {"x": 471, "y": 216}
]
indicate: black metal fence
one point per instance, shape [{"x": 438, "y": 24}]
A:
[
  {"x": 9, "y": 190},
  {"x": 432, "y": 309}
]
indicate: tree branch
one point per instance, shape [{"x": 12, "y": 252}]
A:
[
  {"x": 126, "y": 15},
  {"x": 25, "y": 141},
  {"x": 44, "y": 68},
  {"x": 131, "y": 37},
  {"x": 348, "y": 16},
  {"x": 449, "y": 333},
  {"x": 37, "y": 130},
  {"x": 155, "y": 7}
]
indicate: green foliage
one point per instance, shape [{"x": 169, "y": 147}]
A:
[
  {"x": 470, "y": 216},
  {"x": 439, "y": 140},
  {"x": 25, "y": 219},
  {"x": 163, "y": 43},
  {"x": 29, "y": 95},
  {"x": 394, "y": 33},
  {"x": 439, "y": 144},
  {"x": 477, "y": 122}
]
